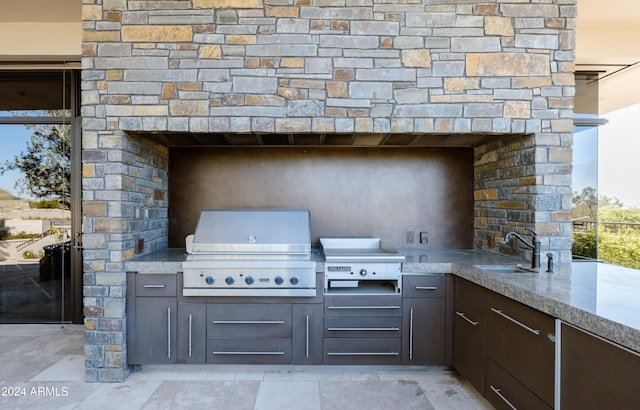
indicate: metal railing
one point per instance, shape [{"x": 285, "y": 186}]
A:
[
  {"x": 31, "y": 241},
  {"x": 584, "y": 226}
]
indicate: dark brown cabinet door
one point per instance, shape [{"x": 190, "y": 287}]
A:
[
  {"x": 596, "y": 374},
  {"x": 192, "y": 333},
  {"x": 156, "y": 330},
  {"x": 504, "y": 392},
  {"x": 423, "y": 331},
  {"x": 472, "y": 295},
  {"x": 469, "y": 328},
  {"x": 307, "y": 334},
  {"x": 521, "y": 340}
]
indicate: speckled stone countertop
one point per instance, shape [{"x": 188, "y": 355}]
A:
[
  {"x": 601, "y": 298},
  {"x": 598, "y": 297}
]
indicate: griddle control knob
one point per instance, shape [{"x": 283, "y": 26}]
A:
[
  {"x": 249, "y": 280},
  {"x": 363, "y": 272},
  {"x": 279, "y": 280},
  {"x": 210, "y": 280},
  {"x": 229, "y": 280},
  {"x": 294, "y": 280}
]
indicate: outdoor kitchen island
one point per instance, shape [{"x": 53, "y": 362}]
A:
[{"x": 590, "y": 298}]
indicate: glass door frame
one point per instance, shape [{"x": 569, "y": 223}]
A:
[{"x": 75, "y": 122}]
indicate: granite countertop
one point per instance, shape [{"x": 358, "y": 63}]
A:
[{"x": 597, "y": 297}]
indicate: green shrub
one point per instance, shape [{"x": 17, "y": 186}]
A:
[
  {"x": 47, "y": 204},
  {"x": 21, "y": 235},
  {"x": 585, "y": 244},
  {"x": 618, "y": 248},
  {"x": 29, "y": 255},
  {"x": 621, "y": 248}
]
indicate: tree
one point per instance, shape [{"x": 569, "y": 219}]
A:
[
  {"x": 605, "y": 201},
  {"x": 46, "y": 164},
  {"x": 585, "y": 204}
]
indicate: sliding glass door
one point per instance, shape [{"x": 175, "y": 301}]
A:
[{"x": 40, "y": 257}]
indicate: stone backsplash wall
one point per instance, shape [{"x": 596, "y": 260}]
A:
[
  {"x": 496, "y": 67},
  {"x": 524, "y": 182}
]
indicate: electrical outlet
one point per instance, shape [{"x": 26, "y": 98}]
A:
[{"x": 410, "y": 238}]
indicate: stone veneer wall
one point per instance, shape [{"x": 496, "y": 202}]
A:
[{"x": 498, "y": 67}]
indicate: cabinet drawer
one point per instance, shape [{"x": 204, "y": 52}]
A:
[
  {"x": 249, "y": 320},
  {"x": 522, "y": 341},
  {"x": 424, "y": 286},
  {"x": 362, "y": 306},
  {"x": 357, "y": 350},
  {"x": 155, "y": 285},
  {"x": 471, "y": 294},
  {"x": 505, "y": 392},
  {"x": 362, "y": 327},
  {"x": 249, "y": 351}
]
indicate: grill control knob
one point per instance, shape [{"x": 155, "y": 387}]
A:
[
  {"x": 294, "y": 280},
  {"x": 363, "y": 272},
  {"x": 249, "y": 280},
  {"x": 229, "y": 280},
  {"x": 210, "y": 280},
  {"x": 279, "y": 280}
]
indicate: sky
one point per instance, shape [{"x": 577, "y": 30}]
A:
[
  {"x": 13, "y": 140},
  {"x": 619, "y": 156},
  {"x": 585, "y": 158}
]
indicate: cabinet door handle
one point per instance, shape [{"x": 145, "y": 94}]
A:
[
  {"x": 462, "y": 315},
  {"x": 499, "y": 312},
  {"x": 411, "y": 334},
  {"x": 247, "y": 322},
  {"x": 365, "y": 329},
  {"x": 168, "y": 333},
  {"x": 307, "y": 338},
  {"x": 427, "y": 287},
  {"x": 190, "y": 332},
  {"x": 363, "y": 354},
  {"x": 364, "y": 307},
  {"x": 155, "y": 286},
  {"x": 504, "y": 399},
  {"x": 248, "y": 353}
]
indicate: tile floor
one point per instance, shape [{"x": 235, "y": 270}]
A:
[{"x": 43, "y": 368}]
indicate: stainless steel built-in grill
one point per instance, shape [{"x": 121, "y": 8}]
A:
[
  {"x": 250, "y": 252},
  {"x": 361, "y": 265}
]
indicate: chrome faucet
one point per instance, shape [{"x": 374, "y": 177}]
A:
[{"x": 534, "y": 245}]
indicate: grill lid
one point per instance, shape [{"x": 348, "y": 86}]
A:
[{"x": 252, "y": 234}]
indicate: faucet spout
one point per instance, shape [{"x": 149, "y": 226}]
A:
[
  {"x": 507, "y": 238},
  {"x": 534, "y": 245}
]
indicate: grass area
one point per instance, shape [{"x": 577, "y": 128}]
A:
[{"x": 6, "y": 236}]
